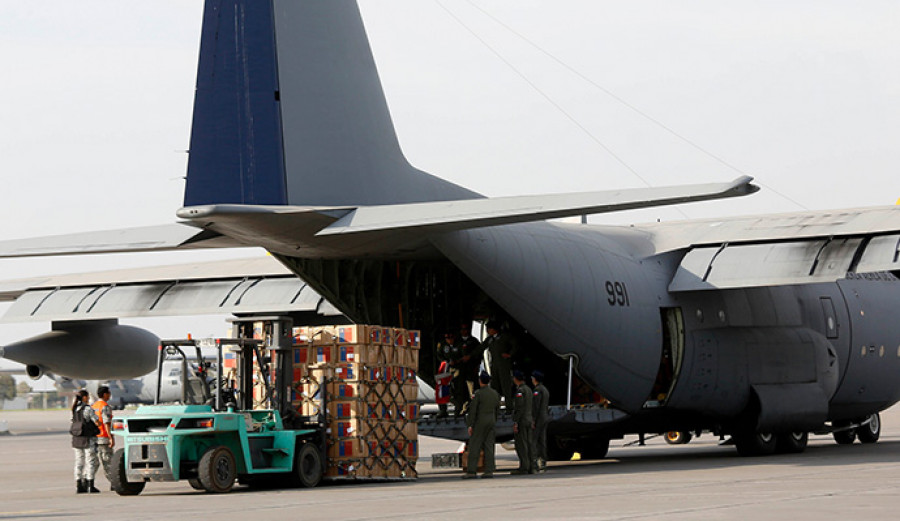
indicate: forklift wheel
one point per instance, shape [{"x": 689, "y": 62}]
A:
[
  {"x": 195, "y": 484},
  {"x": 308, "y": 466},
  {"x": 117, "y": 479},
  {"x": 217, "y": 470}
]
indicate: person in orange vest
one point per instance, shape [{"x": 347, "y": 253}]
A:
[{"x": 106, "y": 442}]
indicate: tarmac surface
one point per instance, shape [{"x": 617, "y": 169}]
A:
[{"x": 698, "y": 481}]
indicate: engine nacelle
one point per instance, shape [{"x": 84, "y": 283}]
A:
[
  {"x": 34, "y": 371},
  {"x": 88, "y": 350}
]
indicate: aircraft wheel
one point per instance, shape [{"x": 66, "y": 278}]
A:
[
  {"x": 870, "y": 432},
  {"x": 678, "y": 437},
  {"x": 117, "y": 479},
  {"x": 844, "y": 437},
  {"x": 307, "y": 466},
  {"x": 791, "y": 442},
  {"x": 195, "y": 484},
  {"x": 595, "y": 448},
  {"x": 751, "y": 443},
  {"x": 217, "y": 470},
  {"x": 559, "y": 450}
]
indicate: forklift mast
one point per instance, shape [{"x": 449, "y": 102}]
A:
[{"x": 273, "y": 359}]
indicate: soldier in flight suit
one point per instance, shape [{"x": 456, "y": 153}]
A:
[
  {"x": 541, "y": 400},
  {"x": 523, "y": 424},
  {"x": 481, "y": 419},
  {"x": 502, "y": 348}
]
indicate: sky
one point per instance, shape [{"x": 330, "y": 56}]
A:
[{"x": 506, "y": 97}]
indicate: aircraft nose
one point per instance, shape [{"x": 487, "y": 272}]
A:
[{"x": 1, "y": 352}]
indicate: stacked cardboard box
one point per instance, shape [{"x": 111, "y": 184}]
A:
[{"x": 367, "y": 377}]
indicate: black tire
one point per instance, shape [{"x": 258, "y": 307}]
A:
[
  {"x": 559, "y": 449},
  {"x": 217, "y": 470},
  {"x": 791, "y": 442},
  {"x": 594, "y": 449},
  {"x": 844, "y": 437},
  {"x": 307, "y": 466},
  {"x": 117, "y": 479},
  {"x": 751, "y": 443},
  {"x": 871, "y": 431},
  {"x": 678, "y": 437},
  {"x": 195, "y": 484}
]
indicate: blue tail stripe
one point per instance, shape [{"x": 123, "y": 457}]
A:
[{"x": 236, "y": 151}]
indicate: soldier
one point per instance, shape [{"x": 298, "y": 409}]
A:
[
  {"x": 501, "y": 347},
  {"x": 459, "y": 389},
  {"x": 481, "y": 418},
  {"x": 541, "y": 401},
  {"x": 523, "y": 424},
  {"x": 472, "y": 354}
]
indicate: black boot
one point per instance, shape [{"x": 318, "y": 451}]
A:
[
  {"x": 90, "y": 486},
  {"x": 80, "y": 487}
]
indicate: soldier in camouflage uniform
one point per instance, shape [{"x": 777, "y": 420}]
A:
[{"x": 481, "y": 419}]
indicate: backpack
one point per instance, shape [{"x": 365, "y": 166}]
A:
[{"x": 81, "y": 427}]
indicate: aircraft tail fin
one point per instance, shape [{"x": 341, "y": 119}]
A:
[{"x": 289, "y": 110}]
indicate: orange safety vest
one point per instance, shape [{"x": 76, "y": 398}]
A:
[{"x": 98, "y": 408}]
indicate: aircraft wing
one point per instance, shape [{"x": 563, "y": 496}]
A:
[
  {"x": 779, "y": 249},
  {"x": 256, "y": 285},
  {"x": 149, "y": 238}
]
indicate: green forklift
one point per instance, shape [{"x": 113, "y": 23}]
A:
[{"x": 219, "y": 433}]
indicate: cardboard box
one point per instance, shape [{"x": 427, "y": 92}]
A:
[
  {"x": 301, "y": 336},
  {"x": 338, "y": 410},
  {"x": 343, "y": 390},
  {"x": 349, "y": 353},
  {"x": 321, "y": 335},
  {"x": 344, "y": 448},
  {"x": 414, "y": 339},
  {"x": 346, "y": 428},
  {"x": 377, "y": 355},
  {"x": 408, "y": 412},
  {"x": 343, "y": 468},
  {"x": 380, "y": 336},
  {"x": 303, "y": 356},
  {"x": 381, "y": 411},
  {"x": 375, "y": 391},
  {"x": 353, "y": 334},
  {"x": 323, "y": 354},
  {"x": 410, "y": 431},
  {"x": 410, "y": 392},
  {"x": 399, "y": 337}
]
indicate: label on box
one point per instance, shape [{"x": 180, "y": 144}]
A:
[
  {"x": 349, "y": 353},
  {"x": 324, "y": 354}
]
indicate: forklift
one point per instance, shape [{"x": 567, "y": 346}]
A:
[{"x": 228, "y": 427}]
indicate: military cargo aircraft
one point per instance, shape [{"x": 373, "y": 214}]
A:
[{"x": 765, "y": 328}]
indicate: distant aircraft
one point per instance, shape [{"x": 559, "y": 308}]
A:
[
  {"x": 133, "y": 390},
  {"x": 764, "y": 327}
]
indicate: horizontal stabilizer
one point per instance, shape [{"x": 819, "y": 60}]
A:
[
  {"x": 474, "y": 213},
  {"x": 125, "y": 240}
]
